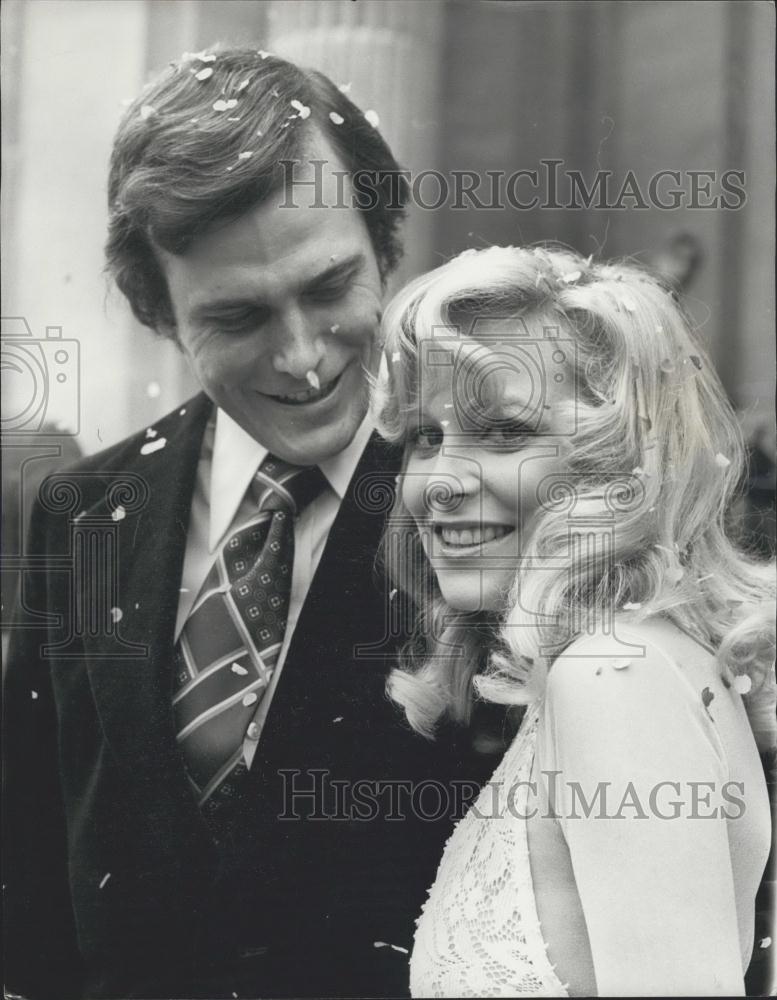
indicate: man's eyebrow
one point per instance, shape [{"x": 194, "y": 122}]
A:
[{"x": 340, "y": 269}]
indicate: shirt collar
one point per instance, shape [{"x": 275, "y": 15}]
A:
[{"x": 236, "y": 456}]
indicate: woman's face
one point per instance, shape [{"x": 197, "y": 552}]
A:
[{"x": 488, "y": 429}]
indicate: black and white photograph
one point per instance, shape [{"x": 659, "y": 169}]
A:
[{"x": 388, "y": 499}]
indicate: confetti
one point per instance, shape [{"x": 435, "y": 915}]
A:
[
  {"x": 185, "y": 590},
  {"x": 372, "y": 118},
  {"x": 253, "y": 731},
  {"x": 632, "y": 606},
  {"x": 707, "y": 697},
  {"x": 241, "y": 671},
  {"x": 302, "y": 109},
  {"x": 137, "y": 605},
  {"x": 249, "y": 698},
  {"x": 153, "y": 390},
  {"x": 336, "y": 119},
  {"x": 721, "y": 461},
  {"x": 742, "y": 684},
  {"x": 345, "y": 88},
  {"x": 448, "y": 406},
  {"x": 659, "y": 330},
  {"x": 337, "y": 718},
  {"x": 708, "y": 576},
  {"x": 182, "y": 411},
  {"x": 570, "y": 277},
  {"x": 638, "y": 471},
  {"x": 621, "y": 664},
  {"x": 395, "y": 356},
  {"x": 765, "y": 942},
  {"x": 119, "y": 514},
  {"x": 246, "y": 154},
  {"x": 204, "y": 56},
  {"x": 34, "y": 695},
  {"x": 263, "y": 54},
  {"x": 259, "y": 132},
  {"x": 445, "y": 423},
  {"x": 146, "y": 111},
  {"x": 204, "y": 74},
  {"x": 398, "y": 947},
  {"x": 150, "y": 432},
  {"x": 242, "y": 86},
  {"x": 105, "y": 878},
  {"x": 313, "y": 379},
  {"x": 151, "y": 446},
  {"x": 222, "y": 105},
  {"x": 116, "y": 614},
  {"x": 393, "y": 593},
  {"x": 334, "y": 328}
]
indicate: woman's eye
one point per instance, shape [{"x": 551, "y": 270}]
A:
[
  {"x": 508, "y": 435},
  {"x": 426, "y": 438}
]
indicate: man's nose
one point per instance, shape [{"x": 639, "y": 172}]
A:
[{"x": 298, "y": 347}]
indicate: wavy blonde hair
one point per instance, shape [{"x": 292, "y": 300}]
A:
[{"x": 657, "y": 450}]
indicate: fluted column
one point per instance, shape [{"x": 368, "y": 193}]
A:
[{"x": 390, "y": 54}]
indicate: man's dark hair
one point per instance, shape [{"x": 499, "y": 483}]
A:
[{"x": 203, "y": 144}]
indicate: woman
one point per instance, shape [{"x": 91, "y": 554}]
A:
[{"x": 570, "y": 456}]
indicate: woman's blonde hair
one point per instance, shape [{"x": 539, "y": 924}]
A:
[{"x": 657, "y": 453}]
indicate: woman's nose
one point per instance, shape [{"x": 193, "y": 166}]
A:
[
  {"x": 299, "y": 347},
  {"x": 451, "y": 482}
]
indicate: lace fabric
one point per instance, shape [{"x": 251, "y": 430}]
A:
[{"x": 479, "y": 934}]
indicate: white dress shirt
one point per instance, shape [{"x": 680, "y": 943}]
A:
[{"x": 222, "y": 503}]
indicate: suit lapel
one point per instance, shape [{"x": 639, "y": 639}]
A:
[{"x": 132, "y": 695}]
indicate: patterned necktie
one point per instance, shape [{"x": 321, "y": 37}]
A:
[{"x": 229, "y": 645}]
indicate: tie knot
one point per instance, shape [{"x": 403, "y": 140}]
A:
[{"x": 279, "y": 485}]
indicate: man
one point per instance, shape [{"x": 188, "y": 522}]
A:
[{"x": 186, "y": 736}]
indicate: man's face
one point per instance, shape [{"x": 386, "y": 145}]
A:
[{"x": 278, "y": 293}]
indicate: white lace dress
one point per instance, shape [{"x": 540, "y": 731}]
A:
[{"x": 478, "y": 934}]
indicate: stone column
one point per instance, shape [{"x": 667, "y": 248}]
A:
[{"x": 389, "y": 51}]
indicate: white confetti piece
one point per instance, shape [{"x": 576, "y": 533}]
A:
[
  {"x": 313, "y": 380},
  {"x": 765, "y": 942},
  {"x": 632, "y": 606},
  {"x": 393, "y": 593},
  {"x": 222, "y": 105},
  {"x": 246, "y": 154},
  {"x": 621, "y": 664},
  {"x": 238, "y": 669},
  {"x": 638, "y": 471},
  {"x": 153, "y": 390},
  {"x": 302, "y": 109},
  {"x": 742, "y": 684},
  {"x": 242, "y": 86},
  {"x": 372, "y": 118},
  {"x": 445, "y": 423},
  {"x": 250, "y": 698},
  {"x": 379, "y": 944},
  {"x": 233, "y": 119},
  {"x": 119, "y": 514},
  {"x": 34, "y": 695},
  {"x": 345, "y": 88},
  {"x": 571, "y": 277},
  {"x": 204, "y": 56},
  {"x": 337, "y": 718},
  {"x": 259, "y": 132},
  {"x": 336, "y": 119},
  {"x": 395, "y": 356},
  {"x": 182, "y": 411},
  {"x": 204, "y": 74},
  {"x": 263, "y": 54},
  {"x": 146, "y": 111},
  {"x": 183, "y": 590},
  {"x": 151, "y": 446},
  {"x": 721, "y": 461},
  {"x": 334, "y": 328},
  {"x": 137, "y": 605},
  {"x": 398, "y": 947},
  {"x": 116, "y": 614},
  {"x": 151, "y": 433},
  {"x": 707, "y": 576},
  {"x": 104, "y": 880}
]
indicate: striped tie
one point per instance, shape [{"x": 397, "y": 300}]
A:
[{"x": 229, "y": 645}]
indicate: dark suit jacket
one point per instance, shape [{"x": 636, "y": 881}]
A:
[{"x": 114, "y": 885}]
